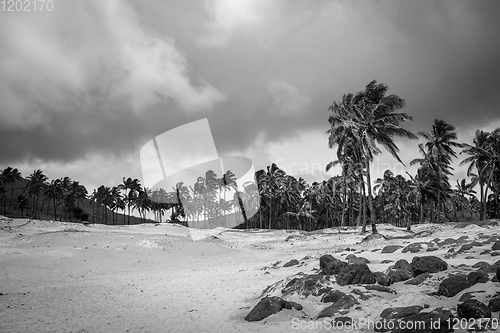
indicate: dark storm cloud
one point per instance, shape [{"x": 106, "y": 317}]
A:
[{"x": 107, "y": 78}]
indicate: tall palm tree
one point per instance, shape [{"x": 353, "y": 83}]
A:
[
  {"x": 132, "y": 188},
  {"x": 10, "y": 177},
  {"x": 439, "y": 145},
  {"x": 54, "y": 193},
  {"x": 34, "y": 187},
  {"x": 369, "y": 118}
]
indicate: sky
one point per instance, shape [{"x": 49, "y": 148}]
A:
[{"x": 85, "y": 86}]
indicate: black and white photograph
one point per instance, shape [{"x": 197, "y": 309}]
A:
[{"x": 249, "y": 166}]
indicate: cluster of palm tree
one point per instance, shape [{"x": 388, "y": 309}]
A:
[{"x": 8, "y": 177}]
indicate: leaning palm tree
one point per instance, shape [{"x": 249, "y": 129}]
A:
[
  {"x": 11, "y": 176},
  {"x": 370, "y": 118}
]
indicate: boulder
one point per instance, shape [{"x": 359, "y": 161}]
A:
[
  {"x": 403, "y": 264},
  {"x": 292, "y": 262},
  {"x": 383, "y": 289},
  {"x": 451, "y": 286},
  {"x": 332, "y": 296},
  {"x": 386, "y": 261},
  {"x": 330, "y": 265},
  {"x": 269, "y": 306},
  {"x": 473, "y": 309},
  {"x": 400, "y": 312},
  {"x": 356, "y": 274},
  {"x": 418, "y": 279},
  {"x": 428, "y": 264},
  {"x": 345, "y": 302},
  {"x": 413, "y": 248},
  {"x": 307, "y": 285},
  {"x": 494, "y": 304},
  {"x": 342, "y": 321},
  {"x": 391, "y": 248},
  {"x": 353, "y": 259},
  {"x": 496, "y": 246},
  {"x": 398, "y": 275},
  {"x": 482, "y": 266},
  {"x": 382, "y": 279},
  {"x": 478, "y": 277},
  {"x": 437, "y": 321}
]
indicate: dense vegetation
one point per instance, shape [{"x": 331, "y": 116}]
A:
[{"x": 359, "y": 124}]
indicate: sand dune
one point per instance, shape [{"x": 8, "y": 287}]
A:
[{"x": 65, "y": 277}]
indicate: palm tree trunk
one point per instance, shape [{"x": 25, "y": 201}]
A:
[
  {"x": 485, "y": 206},
  {"x": 439, "y": 196},
  {"x": 370, "y": 199},
  {"x": 421, "y": 219},
  {"x": 481, "y": 214}
]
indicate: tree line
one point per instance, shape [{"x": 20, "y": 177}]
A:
[{"x": 360, "y": 124}]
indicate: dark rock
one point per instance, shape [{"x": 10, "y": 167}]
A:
[
  {"x": 363, "y": 296},
  {"x": 418, "y": 279},
  {"x": 448, "y": 241},
  {"x": 437, "y": 321},
  {"x": 428, "y": 264},
  {"x": 350, "y": 256},
  {"x": 494, "y": 304},
  {"x": 292, "y": 262},
  {"x": 269, "y": 306},
  {"x": 307, "y": 285},
  {"x": 398, "y": 275},
  {"x": 494, "y": 279},
  {"x": 386, "y": 261},
  {"x": 341, "y": 304},
  {"x": 330, "y": 265},
  {"x": 482, "y": 266},
  {"x": 451, "y": 286},
  {"x": 473, "y": 309},
  {"x": 359, "y": 260},
  {"x": 495, "y": 254},
  {"x": 494, "y": 267},
  {"x": 383, "y": 289},
  {"x": 478, "y": 277},
  {"x": 356, "y": 274},
  {"x": 332, "y": 296},
  {"x": 432, "y": 248},
  {"x": 497, "y": 274},
  {"x": 403, "y": 264},
  {"x": 496, "y": 246},
  {"x": 376, "y": 250},
  {"x": 401, "y": 312},
  {"x": 391, "y": 248},
  {"x": 373, "y": 237},
  {"x": 413, "y": 248},
  {"x": 382, "y": 279}
]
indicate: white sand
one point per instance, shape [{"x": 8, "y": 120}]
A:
[{"x": 65, "y": 277}]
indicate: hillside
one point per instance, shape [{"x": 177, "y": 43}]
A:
[{"x": 94, "y": 216}]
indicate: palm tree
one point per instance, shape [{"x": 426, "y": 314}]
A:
[
  {"x": 54, "y": 193},
  {"x": 367, "y": 119},
  {"x": 477, "y": 159},
  {"x": 11, "y": 176},
  {"x": 440, "y": 143},
  {"x": 34, "y": 187},
  {"x": 132, "y": 187}
]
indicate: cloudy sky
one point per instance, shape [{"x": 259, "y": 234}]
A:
[{"x": 85, "y": 86}]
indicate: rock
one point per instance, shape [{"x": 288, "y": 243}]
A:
[
  {"x": 403, "y": 264},
  {"x": 373, "y": 237},
  {"x": 495, "y": 279},
  {"x": 437, "y": 321},
  {"x": 493, "y": 268},
  {"x": 307, "y": 285},
  {"x": 413, "y": 248},
  {"x": 269, "y": 306},
  {"x": 451, "y": 286},
  {"x": 496, "y": 246},
  {"x": 478, "y": 277},
  {"x": 482, "y": 266},
  {"x": 292, "y": 262},
  {"x": 363, "y": 296},
  {"x": 356, "y": 274},
  {"x": 382, "y": 279},
  {"x": 494, "y": 304},
  {"x": 473, "y": 309},
  {"x": 466, "y": 296},
  {"x": 495, "y": 254},
  {"x": 330, "y": 265},
  {"x": 447, "y": 241},
  {"x": 398, "y": 275},
  {"x": 428, "y": 264},
  {"x": 497, "y": 274},
  {"x": 432, "y": 248},
  {"x": 332, "y": 296},
  {"x": 353, "y": 259},
  {"x": 386, "y": 261},
  {"x": 401, "y": 312},
  {"x": 391, "y": 248},
  {"x": 383, "y": 289},
  {"x": 418, "y": 279},
  {"x": 341, "y": 304}
]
